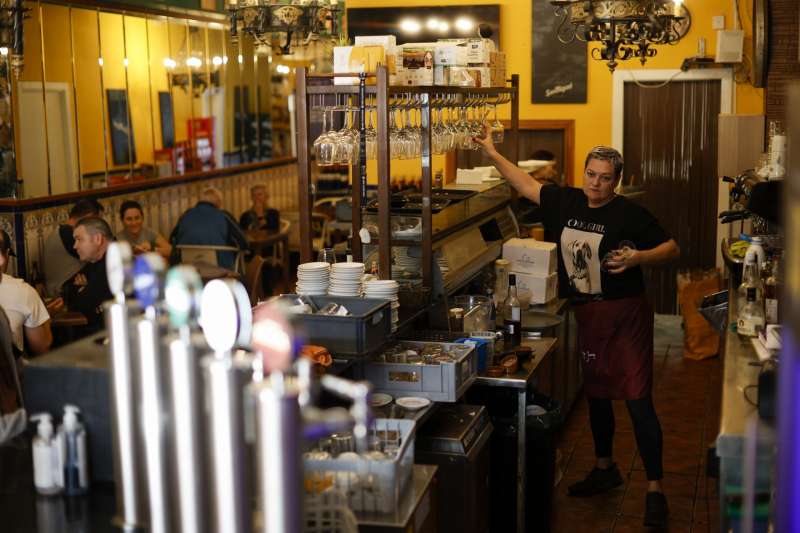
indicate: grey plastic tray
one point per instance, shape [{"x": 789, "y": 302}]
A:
[
  {"x": 443, "y": 382},
  {"x": 361, "y": 333}
]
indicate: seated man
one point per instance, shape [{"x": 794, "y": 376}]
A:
[
  {"x": 60, "y": 258},
  {"x": 87, "y": 290},
  {"x": 27, "y": 315},
  {"x": 259, "y": 216},
  {"x": 206, "y": 224}
]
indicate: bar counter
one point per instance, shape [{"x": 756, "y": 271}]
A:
[{"x": 745, "y": 444}]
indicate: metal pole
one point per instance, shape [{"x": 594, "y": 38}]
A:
[
  {"x": 127, "y": 438},
  {"x": 279, "y": 445}
]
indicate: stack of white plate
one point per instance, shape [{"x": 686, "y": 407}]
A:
[
  {"x": 346, "y": 279},
  {"x": 387, "y": 290},
  {"x": 313, "y": 279}
]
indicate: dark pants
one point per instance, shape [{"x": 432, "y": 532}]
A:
[{"x": 645, "y": 426}]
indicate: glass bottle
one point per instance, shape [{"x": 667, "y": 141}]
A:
[
  {"x": 750, "y": 278},
  {"x": 512, "y": 314},
  {"x": 501, "y": 267},
  {"x": 772, "y": 293},
  {"x": 751, "y": 316},
  {"x": 374, "y": 269}
]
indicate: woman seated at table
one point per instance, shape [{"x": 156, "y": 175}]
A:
[
  {"x": 259, "y": 216},
  {"x": 141, "y": 239}
]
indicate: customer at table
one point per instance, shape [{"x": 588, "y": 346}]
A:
[
  {"x": 141, "y": 239},
  {"x": 27, "y": 315},
  {"x": 60, "y": 260},
  {"x": 87, "y": 290},
  {"x": 615, "y": 320},
  {"x": 259, "y": 216},
  {"x": 206, "y": 224}
]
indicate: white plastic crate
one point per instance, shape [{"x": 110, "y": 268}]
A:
[{"x": 370, "y": 485}]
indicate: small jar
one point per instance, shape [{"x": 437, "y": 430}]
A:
[{"x": 457, "y": 319}]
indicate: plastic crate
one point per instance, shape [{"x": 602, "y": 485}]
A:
[
  {"x": 442, "y": 382},
  {"x": 370, "y": 485},
  {"x": 361, "y": 333}
]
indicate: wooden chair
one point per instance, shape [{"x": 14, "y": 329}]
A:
[
  {"x": 252, "y": 279},
  {"x": 207, "y": 253}
]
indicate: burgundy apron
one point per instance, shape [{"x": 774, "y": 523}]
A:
[{"x": 615, "y": 338}]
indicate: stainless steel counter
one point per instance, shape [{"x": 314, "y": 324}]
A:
[
  {"x": 416, "y": 503},
  {"x": 519, "y": 382}
]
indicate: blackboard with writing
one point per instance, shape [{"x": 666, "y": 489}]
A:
[{"x": 559, "y": 70}]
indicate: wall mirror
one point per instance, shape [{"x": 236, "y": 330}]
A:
[{"x": 124, "y": 96}]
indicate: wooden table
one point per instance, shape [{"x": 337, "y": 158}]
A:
[
  {"x": 207, "y": 271},
  {"x": 68, "y": 319},
  {"x": 260, "y": 239}
]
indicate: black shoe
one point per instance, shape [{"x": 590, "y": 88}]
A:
[
  {"x": 597, "y": 481},
  {"x": 656, "y": 510}
]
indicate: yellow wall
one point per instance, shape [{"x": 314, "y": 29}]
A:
[{"x": 593, "y": 119}]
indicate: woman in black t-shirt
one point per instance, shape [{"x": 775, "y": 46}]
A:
[{"x": 603, "y": 240}]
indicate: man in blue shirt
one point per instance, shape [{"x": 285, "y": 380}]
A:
[{"x": 207, "y": 224}]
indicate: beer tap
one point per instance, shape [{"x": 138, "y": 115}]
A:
[
  {"x": 149, "y": 272},
  {"x": 182, "y": 296},
  {"x": 128, "y": 468},
  {"x": 226, "y": 319}
]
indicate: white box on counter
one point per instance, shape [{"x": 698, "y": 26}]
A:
[
  {"x": 361, "y": 58},
  {"x": 450, "y": 55},
  {"x": 536, "y": 289},
  {"x": 389, "y": 42},
  {"x": 529, "y": 256},
  {"x": 478, "y": 50}
]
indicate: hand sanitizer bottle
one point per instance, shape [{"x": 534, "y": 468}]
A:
[
  {"x": 72, "y": 439},
  {"x": 47, "y": 469}
]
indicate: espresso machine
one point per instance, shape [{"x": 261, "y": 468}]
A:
[{"x": 211, "y": 408}]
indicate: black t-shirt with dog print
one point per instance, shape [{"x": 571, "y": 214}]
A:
[{"x": 584, "y": 235}]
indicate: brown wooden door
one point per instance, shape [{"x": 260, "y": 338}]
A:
[{"x": 670, "y": 148}]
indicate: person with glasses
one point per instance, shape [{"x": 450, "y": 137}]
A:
[{"x": 603, "y": 241}]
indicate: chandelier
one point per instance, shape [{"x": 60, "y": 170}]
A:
[
  {"x": 299, "y": 21},
  {"x": 12, "y": 14},
  {"x": 624, "y": 28}
]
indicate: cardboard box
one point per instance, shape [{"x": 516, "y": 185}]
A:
[
  {"x": 355, "y": 59},
  {"x": 468, "y": 76},
  {"x": 450, "y": 55},
  {"x": 388, "y": 42},
  {"x": 529, "y": 256},
  {"x": 478, "y": 50},
  {"x": 536, "y": 289},
  {"x": 417, "y": 66},
  {"x": 498, "y": 77},
  {"x": 497, "y": 60},
  {"x": 416, "y": 77}
]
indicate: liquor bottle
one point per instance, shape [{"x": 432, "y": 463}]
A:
[
  {"x": 512, "y": 314},
  {"x": 772, "y": 292},
  {"x": 751, "y": 316},
  {"x": 750, "y": 278},
  {"x": 500, "y": 292},
  {"x": 374, "y": 269}
]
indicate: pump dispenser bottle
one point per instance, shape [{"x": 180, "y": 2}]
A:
[
  {"x": 47, "y": 468},
  {"x": 72, "y": 439}
]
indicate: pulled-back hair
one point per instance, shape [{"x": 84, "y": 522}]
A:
[{"x": 606, "y": 153}]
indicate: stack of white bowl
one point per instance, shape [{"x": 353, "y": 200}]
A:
[
  {"x": 346, "y": 279},
  {"x": 313, "y": 278},
  {"x": 385, "y": 289}
]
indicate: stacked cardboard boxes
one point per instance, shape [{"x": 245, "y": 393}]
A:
[{"x": 535, "y": 265}]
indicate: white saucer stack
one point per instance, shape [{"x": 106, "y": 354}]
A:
[
  {"x": 385, "y": 289},
  {"x": 313, "y": 279},
  {"x": 346, "y": 279},
  {"x": 404, "y": 265}
]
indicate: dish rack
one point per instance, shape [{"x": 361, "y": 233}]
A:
[
  {"x": 327, "y": 512},
  {"x": 370, "y": 485}
]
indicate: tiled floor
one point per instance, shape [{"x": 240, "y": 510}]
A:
[{"x": 687, "y": 398}]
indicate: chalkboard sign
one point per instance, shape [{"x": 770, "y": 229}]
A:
[
  {"x": 123, "y": 151},
  {"x": 559, "y": 70},
  {"x": 167, "y": 119}
]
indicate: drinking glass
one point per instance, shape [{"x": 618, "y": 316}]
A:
[
  {"x": 326, "y": 255},
  {"x": 498, "y": 130},
  {"x": 326, "y": 144}
]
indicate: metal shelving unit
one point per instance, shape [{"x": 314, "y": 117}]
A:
[{"x": 382, "y": 93}]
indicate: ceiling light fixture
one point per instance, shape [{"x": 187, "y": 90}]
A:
[
  {"x": 410, "y": 26},
  {"x": 624, "y": 28},
  {"x": 432, "y": 23},
  {"x": 463, "y": 24},
  {"x": 298, "y": 24}
]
